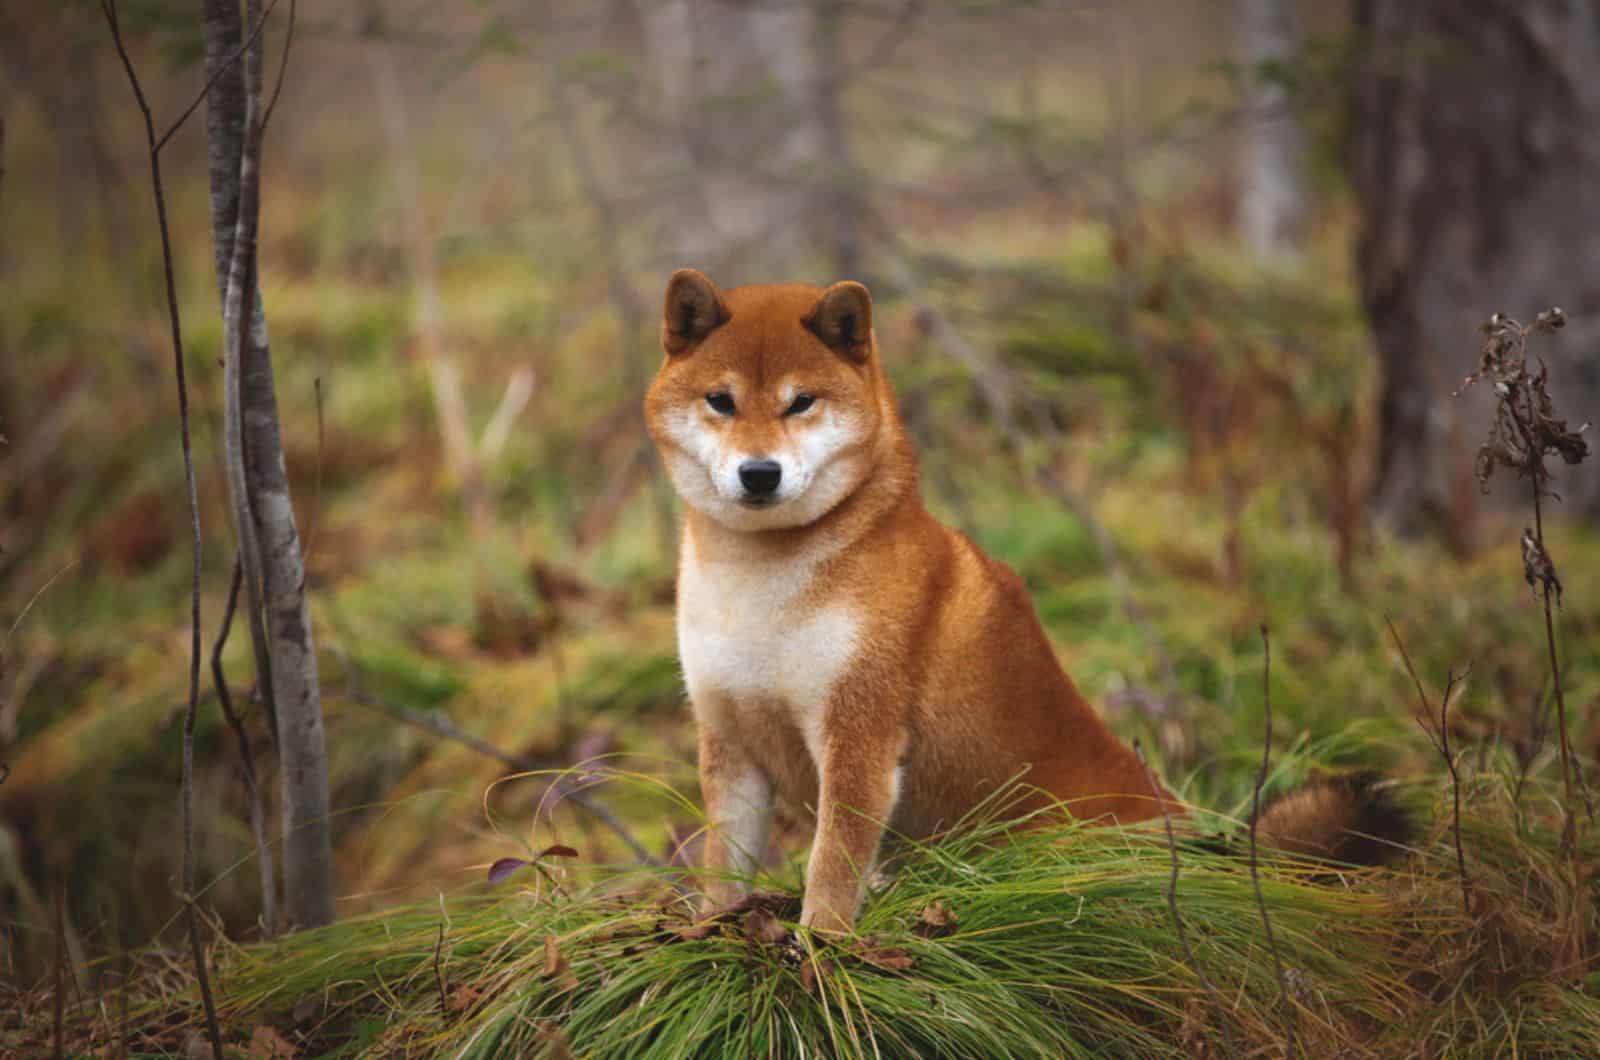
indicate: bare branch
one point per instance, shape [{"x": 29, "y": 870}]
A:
[
  {"x": 58, "y": 930},
  {"x": 283, "y": 64},
  {"x": 518, "y": 392},
  {"x": 438, "y": 975},
  {"x": 1438, "y": 733},
  {"x": 109, "y": 8},
  {"x": 1291, "y": 1019},
  {"x": 314, "y": 520},
  {"x": 625, "y": 301},
  {"x": 258, "y": 814},
  {"x": 439, "y": 725},
  {"x": 216, "y": 75},
  {"x": 1172, "y": 906},
  {"x": 444, "y": 369}
]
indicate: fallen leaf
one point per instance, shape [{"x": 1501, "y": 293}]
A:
[
  {"x": 813, "y": 970},
  {"x": 560, "y": 1048},
  {"x": 690, "y": 932},
  {"x": 887, "y": 958},
  {"x": 267, "y": 1044},
  {"x": 762, "y": 926},
  {"x": 306, "y": 1008},
  {"x": 556, "y": 966},
  {"x": 462, "y": 998},
  {"x": 936, "y": 920}
]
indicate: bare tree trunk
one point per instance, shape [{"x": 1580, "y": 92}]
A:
[
  {"x": 1272, "y": 195},
  {"x": 444, "y": 373},
  {"x": 1474, "y": 158},
  {"x": 739, "y": 79},
  {"x": 631, "y": 316},
  {"x": 257, "y": 477},
  {"x": 224, "y": 143},
  {"x": 669, "y": 40},
  {"x": 838, "y": 205}
]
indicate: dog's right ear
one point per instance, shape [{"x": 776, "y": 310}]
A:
[{"x": 694, "y": 309}]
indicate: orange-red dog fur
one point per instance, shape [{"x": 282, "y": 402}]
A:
[{"x": 844, "y": 652}]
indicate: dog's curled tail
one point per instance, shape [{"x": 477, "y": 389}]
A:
[{"x": 1349, "y": 818}]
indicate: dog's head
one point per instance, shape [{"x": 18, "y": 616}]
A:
[{"x": 767, "y": 408}]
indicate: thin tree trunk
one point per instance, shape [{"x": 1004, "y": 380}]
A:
[
  {"x": 838, "y": 206},
  {"x": 1272, "y": 195},
  {"x": 444, "y": 373},
  {"x": 738, "y": 79},
  {"x": 266, "y": 507},
  {"x": 633, "y": 359},
  {"x": 669, "y": 45},
  {"x": 224, "y": 142}
]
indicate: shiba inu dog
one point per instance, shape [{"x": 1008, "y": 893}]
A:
[{"x": 844, "y": 652}]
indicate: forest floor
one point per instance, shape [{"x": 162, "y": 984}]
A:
[{"x": 549, "y": 638}]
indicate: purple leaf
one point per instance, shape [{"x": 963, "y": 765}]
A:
[
  {"x": 502, "y": 870},
  {"x": 557, "y": 851}
]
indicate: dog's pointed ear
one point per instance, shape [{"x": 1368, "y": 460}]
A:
[
  {"x": 842, "y": 319},
  {"x": 694, "y": 309}
]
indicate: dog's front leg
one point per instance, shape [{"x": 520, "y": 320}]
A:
[
  {"x": 859, "y": 784},
  {"x": 738, "y": 818}
]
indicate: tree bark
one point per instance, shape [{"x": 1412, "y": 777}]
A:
[
  {"x": 1272, "y": 195},
  {"x": 1474, "y": 158},
  {"x": 258, "y": 481},
  {"x": 224, "y": 142}
]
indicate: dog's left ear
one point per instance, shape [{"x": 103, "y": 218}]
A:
[{"x": 842, "y": 319}]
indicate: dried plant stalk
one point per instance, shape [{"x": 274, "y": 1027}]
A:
[{"x": 1525, "y": 431}]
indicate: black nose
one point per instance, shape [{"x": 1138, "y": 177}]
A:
[{"x": 760, "y": 477}]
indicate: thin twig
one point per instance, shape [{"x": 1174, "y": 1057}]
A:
[
  {"x": 314, "y": 520},
  {"x": 438, "y": 976},
  {"x": 122, "y": 1003},
  {"x": 283, "y": 63},
  {"x": 1172, "y": 905},
  {"x": 439, "y": 725},
  {"x": 1291, "y": 1018},
  {"x": 1438, "y": 733},
  {"x": 109, "y": 8},
  {"x": 35, "y": 599},
  {"x": 216, "y": 76},
  {"x": 59, "y": 931},
  {"x": 258, "y": 814},
  {"x": 630, "y": 314}
]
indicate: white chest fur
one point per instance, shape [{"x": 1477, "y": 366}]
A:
[{"x": 749, "y": 638}]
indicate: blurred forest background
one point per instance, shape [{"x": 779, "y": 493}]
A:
[{"x": 1175, "y": 294}]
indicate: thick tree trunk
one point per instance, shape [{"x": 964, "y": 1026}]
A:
[
  {"x": 1474, "y": 156},
  {"x": 1272, "y": 195},
  {"x": 258, "y": 482}
]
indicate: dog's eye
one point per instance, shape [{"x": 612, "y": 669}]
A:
[
  {"x": 721, "y": 402},
  {"x": 800, "y": 404}
]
